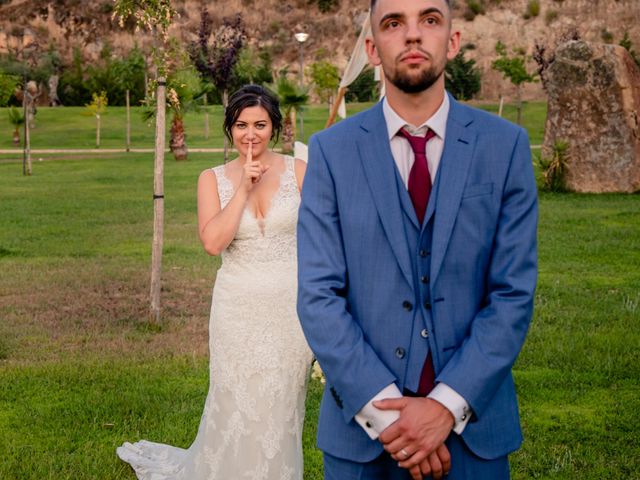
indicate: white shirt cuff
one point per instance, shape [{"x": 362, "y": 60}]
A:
[
  {"x": 375, "y": 421},
  {"x": 455, "y": 403}
]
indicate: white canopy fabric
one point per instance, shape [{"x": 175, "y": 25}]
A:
[{"x": 356, "y": 64}]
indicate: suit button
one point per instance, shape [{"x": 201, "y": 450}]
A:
[
  {"x": 400, "y": 352},
  {"x": 424, "y": 279},
  {"x": 424, "y": 333},
  {"x": 407, "y": 306},
  {"x": 423, "y": 253},
  {"x": 427, "y": 306}
]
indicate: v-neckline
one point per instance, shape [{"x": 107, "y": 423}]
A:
[{"x": 253, "y": 215}]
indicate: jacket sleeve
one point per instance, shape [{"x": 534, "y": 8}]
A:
[
  {"x": 355, "y": 374},
  {"x": 496, "y": 334}
]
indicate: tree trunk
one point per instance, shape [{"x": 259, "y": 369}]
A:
[
  {"x": 98, "y": 130},
  {"x": 178, "y": 142},
  {"x": 158, "y": 204},
  {"x": 16, "y": 136},
  {"x": 293, "y": 125},
  {"x": 54, "y": 100},
  {"x": 225, "y": 102},
  {"x": 287, "y": 135},
  {"x": 128, "y": 137}
]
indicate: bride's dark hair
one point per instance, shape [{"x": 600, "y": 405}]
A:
[{"x": 253, "y": 96}]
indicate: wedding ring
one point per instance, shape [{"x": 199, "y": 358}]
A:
[{"x": 404, "y": 453}]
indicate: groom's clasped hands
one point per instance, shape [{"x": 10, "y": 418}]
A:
[{"x": 416, "y": 439}]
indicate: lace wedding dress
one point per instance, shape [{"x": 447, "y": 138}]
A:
[{"x": 251, "y": 427}]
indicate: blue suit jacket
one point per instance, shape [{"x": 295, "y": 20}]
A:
[{"x": 356, "y": 273}]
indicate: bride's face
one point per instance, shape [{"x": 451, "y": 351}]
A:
[{"x": 253, "y": 126}]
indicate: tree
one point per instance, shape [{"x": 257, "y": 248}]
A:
[
  {"x": 73, "y": 88},
  {"x": 253, "y": 66},
  {"x": 184, "y": 86},
  {"x": 513, "y": 68},
  {"x": 326, "y": 79},
  {"x": 292, "y": 99},
  {"x": 364, "y": 88},
  {"x": 155, "y": 16},
  {"x": 96, "y": 108},
  {"x": 462, "y": 77},
  {"x": 215, "y": 54},
  {"x": 132, "y": 74}
]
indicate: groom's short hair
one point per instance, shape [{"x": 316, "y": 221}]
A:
[{"x": 373, "y": 4}]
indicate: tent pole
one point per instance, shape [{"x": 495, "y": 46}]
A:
[{"x": 335, "y": 106}]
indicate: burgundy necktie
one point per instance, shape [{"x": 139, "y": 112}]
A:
[
  {"x": 419, "y": 178},
  {"x": 419, "y": 191}
]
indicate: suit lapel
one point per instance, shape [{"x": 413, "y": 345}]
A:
[
  {"x": 451, "y": 178},
  {"x": 379, "y": 169}
]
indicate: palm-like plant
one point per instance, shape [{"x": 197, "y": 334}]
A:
[
  {"x": 292, "y": 99},
  {"x": 16, "y": 119},
  {"x": 183, "y": 90}
]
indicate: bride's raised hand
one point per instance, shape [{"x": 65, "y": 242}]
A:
[{"x": 253, "y": 169}]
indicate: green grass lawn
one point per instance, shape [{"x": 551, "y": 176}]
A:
[
  {"x": 81, "y": 370},
  {"x": 71, "y": 127}
]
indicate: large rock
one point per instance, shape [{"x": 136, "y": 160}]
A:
[{"x": 594, "y": 105}]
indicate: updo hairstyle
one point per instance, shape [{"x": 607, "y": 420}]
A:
[{"x": 253, "y": 96}]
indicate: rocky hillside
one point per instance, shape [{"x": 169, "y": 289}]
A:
[{"x": 39, "y": 24}]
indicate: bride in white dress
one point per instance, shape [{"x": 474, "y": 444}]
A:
[{"x": 251, "y": 427}]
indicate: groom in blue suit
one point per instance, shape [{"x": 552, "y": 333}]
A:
[{"x": 417, "y": 267}]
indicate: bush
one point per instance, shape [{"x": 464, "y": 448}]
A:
[
  {"x": 627, "y": 44},
  {"x": 533, "y": 9},
  {"x": 476, "y": 7},
  {"x": 326, "y": 5},
  {"x": 550, "y": 17},
  {"x": 554, "y": 169},
  {"x": 606, "y": 36}
]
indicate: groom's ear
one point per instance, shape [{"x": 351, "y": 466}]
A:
[{"x": 372, "y": 51}]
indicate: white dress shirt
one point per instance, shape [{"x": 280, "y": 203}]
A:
[{"x": 372, "y": 420}]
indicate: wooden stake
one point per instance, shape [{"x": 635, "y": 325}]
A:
[
  {"x": 128, "y": 145},
  {"x": 206, "y": 118},
  {"x": 26, "y": 156},
  {"x": 335, "y": 107},
  {"x": 158, "y": 203},
  {"x": 225, "y": 102},
  {"x": 97, "y": 130}
]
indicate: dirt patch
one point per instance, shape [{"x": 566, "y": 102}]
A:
[{"x": 67, "y": 311}]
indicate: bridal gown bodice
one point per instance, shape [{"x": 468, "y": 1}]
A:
[{"x": 252, "y": 422}]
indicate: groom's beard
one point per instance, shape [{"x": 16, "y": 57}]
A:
[{"x": 411, "y": 83}]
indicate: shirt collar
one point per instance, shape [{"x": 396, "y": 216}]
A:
[{"x": 437, "y": 122}]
